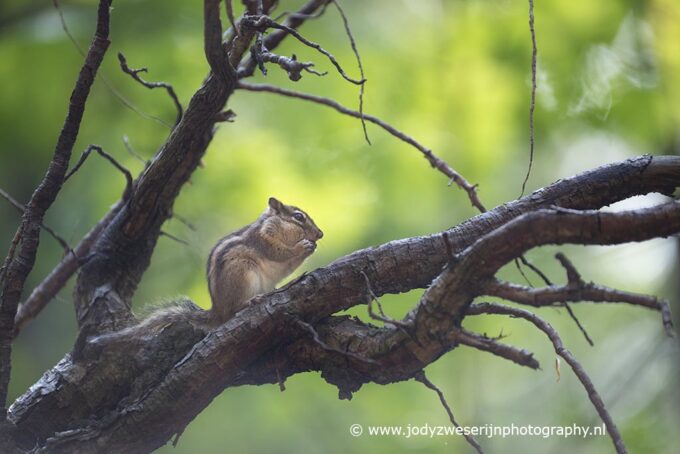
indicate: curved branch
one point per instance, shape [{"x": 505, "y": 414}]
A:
[
  {"x": 434, "y": 160},
  {"x": 17, "y": 270},
  {"x": 491, "y": 308}
]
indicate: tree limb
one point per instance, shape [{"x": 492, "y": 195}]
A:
[{"x": 45, "y": 194}]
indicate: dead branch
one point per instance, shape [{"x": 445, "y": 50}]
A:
[
  {"x": 17, "y": 270},
  {"x": 134, "y": 73},
  {"x": 486, "y": 344},
  {"x": 22, "y": 209},
  {"x": 271, "y": 41},
  {"x": 261, "y": 23},
  {"x": 61, "y": 274},
  {"x": 291, "y": 64},
  {"x": 420, "y": 377},
  {"x": 578, "y": 291},
  {"x": 492, "y": 308},
  {"x": 243, "y": 350},
  {"x": 434, "y": 161},
  {"x": 532, "y": 102},
  {"x": 83, "y": 157},
  {"x": 353, "y": 44}
]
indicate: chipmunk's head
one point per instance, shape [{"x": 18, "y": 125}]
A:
[{"x": 295, "y": 220}]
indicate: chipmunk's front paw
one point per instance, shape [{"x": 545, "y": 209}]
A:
[{"x": 308, "y": 246}]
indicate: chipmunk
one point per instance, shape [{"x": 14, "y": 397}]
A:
[
  {"x": 245, "y": 263},
  {"x": 252, "y": 260}
]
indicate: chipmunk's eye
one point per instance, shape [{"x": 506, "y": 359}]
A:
[{"x": 299, "y": 217}]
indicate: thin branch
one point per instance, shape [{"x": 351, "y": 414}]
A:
[
  {"x": 134, "y": 73},
  {"x": 22, "y": 209},
  {"x": 420, "y": 376},
  {"x": 298, "y": 15},
  {"x": 532, "y": 104},
  {"x": 310, "y": 329},
  {"x": 174, "y": 238},
  {"x": 574, "y": 279},
  {"x": 434, "y": 161},
  {"x": 291, "y": 64},
  {"x": 353, "y": 43},
  {"x": 230, "y": 15},
  {"x": 583, "y": 291},
  {"x": 535, "y": 269},
  {"x": 108, "y": 157},
  {"x": 184, "y": 221},
  {"x": 483, "y": 343},
  {"x": 383, "y": 318},
  {"x": 493, "y": 308},
  {"x": 262, "y": 23},
  {"x": 133, "y": 153},
  {"x": 273, "y": 39},
  {"x": 48, "y": 289},
  {"x": 116, "y": 94}
]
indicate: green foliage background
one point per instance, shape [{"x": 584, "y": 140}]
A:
[{"x": 455, "y": 75}]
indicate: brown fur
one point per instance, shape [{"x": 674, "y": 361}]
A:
[{"x": 252, "y": 260}]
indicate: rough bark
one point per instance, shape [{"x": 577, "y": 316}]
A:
[
  {"x": 130, "y": 391},
  {"x": 147, "y": 388}
]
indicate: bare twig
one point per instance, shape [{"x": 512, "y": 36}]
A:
[
  {"x": 116, "y": 94},
  {"x": 532, "y": 104},
  {"x": 434, "y": 161},
  {"x": 310, "y": 329},
  {"x": 133, "y": 153},
  {"x": 574, "y": 280},
  {"x": 273, "y": 39},
  {"x": 230, "y": 15},
  {"x": 184, "y": 221},
  {"x": 535, "y": 269},
  {"x": 291, "y": 64},
  {"x": 298, "y": 15},
  {"x": 548, "y": 282},
  {"x": 261, "y": 23},
  {"x": 382, "y": 317},
  {"x": 44, "y": 292},
  {"x": 483, "y": 343},
  {"x": 134, "y": 73},
  {"x": 420, "y": 376},
  {"x": 493, "y": 308},
  {"x": 353, "y": 43},
  {"x": 21, "y": 208},
  {"x": 174, "y": 238},
  {"x": 557, "y": 295},
  {"x": 108, "y": 157}
]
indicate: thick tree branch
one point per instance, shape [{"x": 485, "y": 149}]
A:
[
  {"x": 225, "y": 355},
  {"x": 45, "y": 194}
]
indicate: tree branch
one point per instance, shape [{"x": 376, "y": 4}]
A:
[
  {"x": 134, "y": 73},
  {"x": 197, "y": 367},
  {"x": 492, "y": 308},
  {"x": 434, "y": 161},
  {"x": 45, "y": 194}
]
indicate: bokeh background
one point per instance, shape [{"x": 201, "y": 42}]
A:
[{"x": 455, "y": 75}]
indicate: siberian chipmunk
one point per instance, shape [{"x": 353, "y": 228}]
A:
[
  {"x": 252, "y": 260},
  {"x": 248, "y": 262}
]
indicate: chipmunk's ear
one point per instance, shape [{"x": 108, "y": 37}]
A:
[{"x": 275, "y": 205}]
